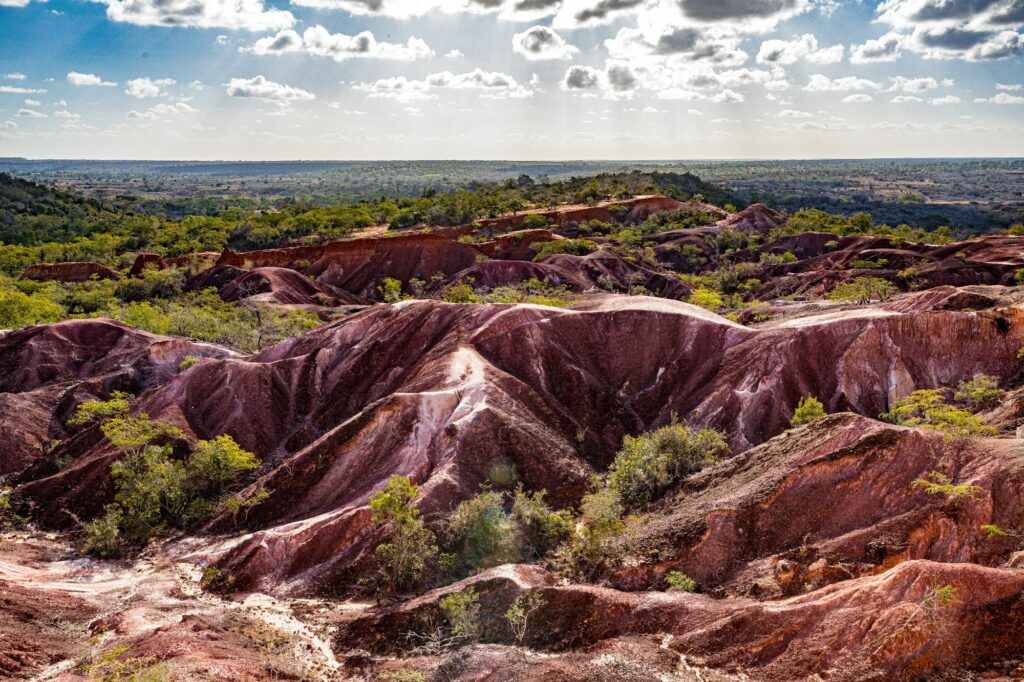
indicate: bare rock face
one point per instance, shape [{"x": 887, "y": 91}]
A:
[
  {"x": 755, "y": 218},
  {"x": 439, "y": 392},
  {"x": 885, "y": 626},
  {"x": 285, "y": 287},
  {"x": 45, "y": 371},
  {"x": 69, "y": 272}
]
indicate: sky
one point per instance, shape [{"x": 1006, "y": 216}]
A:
[{"x": 511, "y": 79}]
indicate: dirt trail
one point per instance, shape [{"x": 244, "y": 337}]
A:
[{"x": 141, "y": 603}]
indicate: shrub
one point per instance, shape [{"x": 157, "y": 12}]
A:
[
  {"x": 927, "y": 409},
  {"x": 540, "y": 529},
  {"x": 100, "y": 411},
  {"x": 188, "y": 362},
  {"x": 408, "y": 544},
  {"x": 680, "y": 582},
  {"x": 519, "y": 612},
  {"x": 483, "y": 532},
  {"x": 649, "y": 464},
  {"x": 461, "y": 292},
  {"x": 101, "y": 537},
  {"x": 807, "y": 410},
  {"x": 113, "y": 666},
  {"x": 863, "y": 290},
  {"x": 18, "y": 309},
  {"x": 215, "y": 463},
  {"x": 709, "y": 299},
  {"x": 600, "y": 523},
  {"x": 980, "y": 392},
  {"x": 391, "y": 290},
  {"x": 573, "y": 247},
  {"x": 462, "y": 611},
  {"x": 938, "y": 483}
]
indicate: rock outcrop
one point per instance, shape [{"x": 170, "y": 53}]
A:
[{"x": 71, "y": 273}]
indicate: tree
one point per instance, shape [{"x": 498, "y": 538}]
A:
[
  {"x": 483, "y": 532},
  {"x": 391, "y": 290},
  {"x": 462, "y": 611},
  {"x": 928, "y": 409},
  {"x": 540, "y": 529},
  {"x": 519, "y": 612},
  {"x": 862, "y": 290},
  {"x": 808, "y": 410},
  {"x": 408, "y": 544},
  {"x": 215, "y": 463},
  {"x": 979, "y": 392},
  {"x": 650, "y": 463},
  {"x": 680, "y": 582},
  {"x": 600, "y": 523},
  {"x": 709, "y": 299}
]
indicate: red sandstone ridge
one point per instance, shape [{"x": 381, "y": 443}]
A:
[
  {"x": 69, "y": 272},
  {"x": 754, "y": 218},
  {"x": 437, "y": 391},
  {"x": 45, "y": 371},
  {"x": 153, "y": 261}
]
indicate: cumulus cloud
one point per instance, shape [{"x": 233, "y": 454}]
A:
[
  {"x": 760, "y": 15},
  {"x": 490, "y": 84},
  {"x": 822, "y": 83},
  {"x": 145, "y": 87},
  {"x": 791, "y": 51},
  {"x": 317, "y": 40},
  {"x": 405, "y": 9},
  {"x": 247, "y": 15},
  {"x": 576, "y": 13},
  {"x": 14, "y": 76},
  {"x": 1001, "y": 98},
  {"x": 15, "y": 90},
  {"x": 943, "y": 101},
  {"x": 902, "y": 84},
  {"x": 88, "y": 80},
  {"x": 794, "y": 113},
  {"x": 30, "y": 113},
  {"x": 858, "y": 99},
  {"x": 541, "y": 42},
  {"x": 263, "y": 89},
  {"x": 888, "y": 48},
  {"x": 906, "y": 99},
  {"x": 971, "y": 30},
  {"x": 1012, "y": 87}
]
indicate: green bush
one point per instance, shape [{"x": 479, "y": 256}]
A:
[
  {"x": 462, "y": 612},
  {"x": 391, "y": 290},
  {"x": 540, "y": 529},
  {"x": 928, "y": 409},
  {"x": 461, "y": 292},
  {"x": 649, "y": 464},
  {"x": 483, "y": 532},
  {"x": 680, "y": 582},
  {"x": 979, "y": 392},
  {"x": 709, "y": 299},
  {"x": 573, "y": 247},
  {"x": 600, "y": 525},
  {"x": 408, "y": 544},
  {"x": 18, "y": 309},
  {"x": 808, "y": 410},
  {"x": 863, "y": 290}
]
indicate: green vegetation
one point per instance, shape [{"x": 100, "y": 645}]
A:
[
  {"x": 519, "y": 612},
  {"x": 113, "y": 666},
  {"x": 462, "y": 612},
  {"x": 573, "y": 247},
  {"x": 938, "y": 483},
  {"x": 680, "y": 582},
  {"x": 979, "y": 392},
  {"x": 483, "y": 533},
  {"x": 709, "y": 299},
  {"x": 531, "y": 291},
  {"x": 408, "y": 544},
  {"x": 808, "y": 410},
  {"x": 814, "y": 220},
  {"x": 391, "y": 290},
  {"x": 599, "y": 526},
  {"x": 928, "y": 409},
  {"x": 153, "y": 490},
  {"x": 862, "y": 290},
  {"x": 539, "y": 529},
  {"x": 940, "y": 596},
  {"x": 649, "y": 464}
]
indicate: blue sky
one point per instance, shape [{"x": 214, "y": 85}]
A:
[{"x": 511, "y": 79}]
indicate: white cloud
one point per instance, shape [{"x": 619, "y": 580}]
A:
[
  {"x": 1014, "y": 87},
  {"x": 792, "y": 51},
  {"x": 858, "y": 99},
  {"x": 540, "y": 42},
  {"x": 30, "y": 113},
  {"x": 1001, "y": 98},
  {"x": 794, "y": 113},
  {"x": 33, "y": 103},
  {"x": 144, "y": 87},
  {"x": 9, "y": 125},
  {"x": 490, "y": 84},
  {"x": 821, "y": 83},
  {"x": 198, "y": 86},
  {"x": 14, "y": 76},
  {"x": 906, "y": 99},
  {"x": 454, "y": 54},
  {"x": 317, "y": 40},
  {"x": 971, "y": 30},
  {"x": 263, "y": 89},
  {"x": 902, "y": 84},
  {"x": 942, "y": 101},
  {"x": 65, "y": 114},
  {"x": 88, "y": 80},
  {"x": 888, "y": 48},
  {"x": 246, "y": 15}
]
